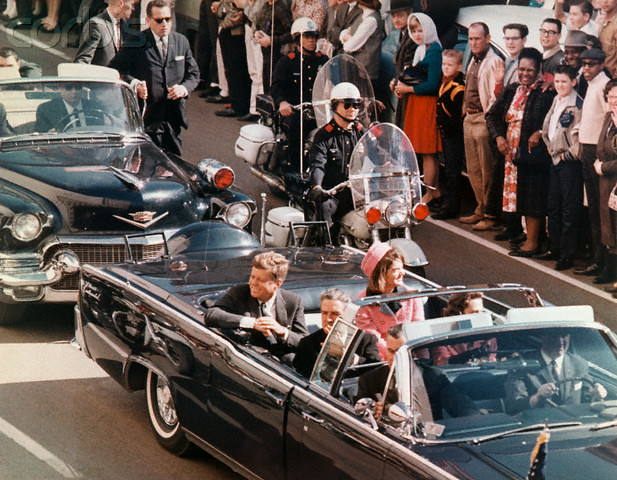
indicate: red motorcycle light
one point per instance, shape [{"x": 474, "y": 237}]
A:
[
  {"x": 420, "y": 211},
  {"x": 224, "y": 178},
  {"x": 373, "y": 215}
]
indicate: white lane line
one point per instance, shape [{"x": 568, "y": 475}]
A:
[
  {"x": 21, "y": 40},
  {"x": 39, "y": 362},
  {"x": 37, "y": 450},
  {"x": 527, "y": 261}
]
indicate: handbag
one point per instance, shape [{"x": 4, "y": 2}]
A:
[
  {"x": 413, "y": 75},
  {"x": 612, "y": 199}
]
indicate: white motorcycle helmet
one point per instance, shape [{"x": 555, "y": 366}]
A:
[
  {"x": 303, "y": 25},
  {"x": 345, "y": 92}
]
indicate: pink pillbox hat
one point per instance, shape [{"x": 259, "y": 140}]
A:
[{"x": 373, "y": 256}]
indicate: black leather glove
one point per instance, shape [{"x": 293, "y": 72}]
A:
[{"x": 317, "y": 194}]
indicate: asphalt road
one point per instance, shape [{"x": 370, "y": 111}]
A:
[{"x": 61, "y": 417}]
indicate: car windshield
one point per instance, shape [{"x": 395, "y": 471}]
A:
[
  {"x": 65, "y": 107},
  {"x": 509, "y": 379}
]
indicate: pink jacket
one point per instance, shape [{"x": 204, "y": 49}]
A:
[{"x": 372, "y": 320}]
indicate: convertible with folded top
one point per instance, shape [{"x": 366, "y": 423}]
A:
[{"x": 446, "y": 415}]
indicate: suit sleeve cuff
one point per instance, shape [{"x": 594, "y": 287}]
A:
[{"x": 247, "y": 322}]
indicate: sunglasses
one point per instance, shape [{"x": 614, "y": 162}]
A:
[
  {"x": 70, "y": 87},
  {"x": 161, "y": 20},
  {"x": 348, "y": 105},
  {"x": 590, "y": 64}
]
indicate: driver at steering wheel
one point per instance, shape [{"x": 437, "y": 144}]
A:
[
  {"x": 69, "y": 108},
  {"x": 330, "y": 155},
  {"x": 563, "y": 378}
]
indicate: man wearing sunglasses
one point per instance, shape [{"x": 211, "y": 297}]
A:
[
  {"x": 160, "y": 66},
  {"x": 71, "y": 108},
  {"x": 330, "y": 155}
]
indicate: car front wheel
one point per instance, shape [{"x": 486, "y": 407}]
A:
[{"x": 163, "y": 416}]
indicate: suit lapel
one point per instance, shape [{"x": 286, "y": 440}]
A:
[{"x": 281, "y": 312}]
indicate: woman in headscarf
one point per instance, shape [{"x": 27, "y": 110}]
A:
[
  {"x": 383, "y": 266},
  {"x": 420, "y": 82}
]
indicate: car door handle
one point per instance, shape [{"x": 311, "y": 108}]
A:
[
  {"x": 309, "y": 416},
  {"x": 279, "y": 399}
]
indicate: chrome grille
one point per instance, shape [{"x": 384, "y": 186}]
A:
[{"x": 101, "y": 255}]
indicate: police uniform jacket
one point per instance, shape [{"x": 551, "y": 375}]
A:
[
  {"x": 286, "y": 77},
  {"x": 331, "y": 152}
]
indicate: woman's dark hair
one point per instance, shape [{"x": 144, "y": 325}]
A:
[
  {"x": 458, "y": 302},
  {"x": 609, "y": 86},
  {"x": 531, "y": 54},
  {"x": 376, "y": 283},
  {"x": 568, "y": 70}
]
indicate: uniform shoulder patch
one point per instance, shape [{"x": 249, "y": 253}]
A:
[
  {"x": 291, "y": 55},
  {"x": 329, "y": 128}
]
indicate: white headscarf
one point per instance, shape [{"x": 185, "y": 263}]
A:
[{"x": 430, "y": 34}]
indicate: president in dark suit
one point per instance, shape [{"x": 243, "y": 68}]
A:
[
  {"x": 103, "y": 34},
  {"x": 159, "y": 65},
  {"x": 561, "y": 380},
  {"x": 332, "y": 305},
  {"x": 69, "y": 108},
  {"x": 275, "y": 316}
]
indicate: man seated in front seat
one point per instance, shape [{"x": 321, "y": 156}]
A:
[
  {"x": 440, "y": 391},
  {"x": 275, "y": 316},
  {"x": 5, "y": 128},
  {"x": 70, "y": 108},
  {"x": 332, "y": 305},
  {"x": 558, "y": 382}
]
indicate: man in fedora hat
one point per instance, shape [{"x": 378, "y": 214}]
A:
[{"x": 573, "y": 47}]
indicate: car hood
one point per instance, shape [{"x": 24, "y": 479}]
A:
[
  {"x": 570, "y": 454},
  {"x": 113, "y": 188}
]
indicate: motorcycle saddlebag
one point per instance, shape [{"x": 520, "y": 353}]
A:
[{"x": 255, "y": 143}]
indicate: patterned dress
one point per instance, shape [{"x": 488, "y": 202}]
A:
[{"x": 316, "y": 10}]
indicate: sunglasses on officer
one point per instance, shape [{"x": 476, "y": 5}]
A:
[
  {"x": 161, "y": 20},
  {"x": 347, "y": 104}
]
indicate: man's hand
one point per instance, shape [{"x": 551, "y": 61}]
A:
[
  {"x": 285, "y": 108},
  {"x": 215, "y": 6},
  {"x": 267, "y": 326},
  {"x": 142, "y": 90},
  {"x": 598, "y": 392},
  {"x": 597, "y": 166},
  {"x": 499, "y": 71},
  {"x": 378, "y": 409},
  {"x": 544, "y": 392},
  {"x": 263, "y": 39},
  {"x": 176, "y": 92},
  {"x": 502, "y": 145},
  {"x": 317, "y": 194}
]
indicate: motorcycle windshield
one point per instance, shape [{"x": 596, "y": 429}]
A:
[
  {"x": 384, "y": 169},
  {"x": 342, "y": 68}
]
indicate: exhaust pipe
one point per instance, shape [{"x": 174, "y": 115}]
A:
[{"x": 271, "y": 180}]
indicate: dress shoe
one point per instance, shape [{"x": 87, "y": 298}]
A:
[
  {"x": 216, "y": 99},
  {"x": 436, "y": 204},
  {"x": 548, "y": 255},
  {"x": 523, "y": 253},
  {"x": 484, "y": 225},
  {"x": 444, "y": 215},
  {"x": 210, "y": 92},
  {"x": 249, "y": 117},
  {"x": 605, "y": 276},
  {"x": 611, "y": 288},
  {"x": 564, "y": 264},
  {"x": 227, "y": 112},
  {"x": 589, "y": 270},
  {"x": 471, "y": 219},
  {"x": 518, "y": 240}
]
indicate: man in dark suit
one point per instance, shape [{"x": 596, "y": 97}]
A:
[
  {"x": 276, "y": 316},
  {"x": 160, "y": 66},
  {"x": 345, "y": 16},
  {"x": 332, "y": 305},
  {"x": 103, "y": 35},
  {"x": 69, "y": 108},
  {"x": 562, "y": 379},
  {"x": 439, "y": 392},
  {"x": 5, "y": 128}
]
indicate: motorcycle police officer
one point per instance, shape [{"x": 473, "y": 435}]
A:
[
  {"x": 330, "y": 155},
  {"x": 286, "y": 83}
]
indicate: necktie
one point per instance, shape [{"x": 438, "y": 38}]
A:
[
  {"x": 118, "y": 36},
  {"x": 164, "y": 49},
  {"x": 262, "y": 310},
  {"x": 555, "y": 371}
]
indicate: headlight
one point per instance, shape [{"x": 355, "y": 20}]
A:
[
  {"x": 238, "y": 214},
  {"x": 396, "y": 213},
  {"x": 25, "y": 227}
]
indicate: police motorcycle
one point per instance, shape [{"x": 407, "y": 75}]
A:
[{"x": 384, "y": 179}]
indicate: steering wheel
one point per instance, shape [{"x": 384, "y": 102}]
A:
[{"x": 91, "y": 113}]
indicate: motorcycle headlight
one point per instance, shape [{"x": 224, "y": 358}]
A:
[
  {"x": 238, "y": 214},
  {"x": 396, "y": 213},
  {"x": 25, "y": 227}
]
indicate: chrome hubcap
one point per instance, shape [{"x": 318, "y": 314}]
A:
[{"x": 165, "y": 403}]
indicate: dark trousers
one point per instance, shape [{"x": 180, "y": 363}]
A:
[
  {"x": 233, "y": 50},
  {"x": 592, "y": 188},
  {"x": 454, "y": 159},
  {"x": 565, "y": 202},
  {"x": 494, "y": 197},
  {"x": 291, "y": 127},
  {"x": 167, "y": 137},
  {"x": 205, "y": 43}
]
